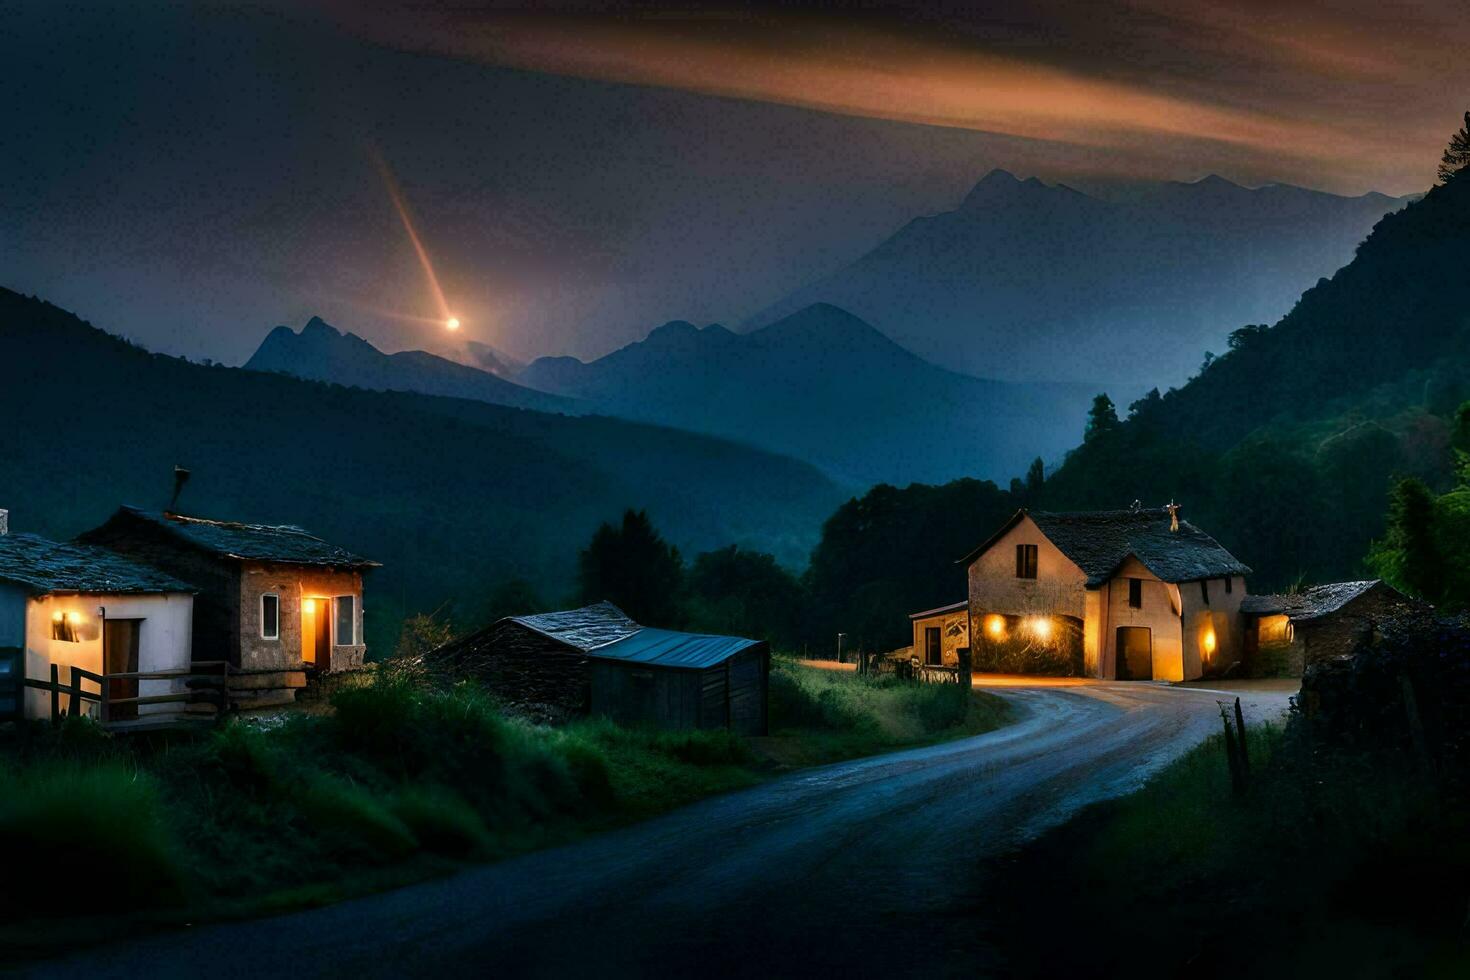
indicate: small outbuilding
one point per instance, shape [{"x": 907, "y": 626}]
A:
[
  {"x": 77, "y": 608},
  {"x": 595, "y": 660},
  {"x": 1284, "y": 633},
  {"x": 940, "y": 634}
]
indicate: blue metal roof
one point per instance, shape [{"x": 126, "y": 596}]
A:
[{"x": 666, "y": 648}]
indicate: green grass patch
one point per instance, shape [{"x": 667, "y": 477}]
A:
[
  {"x": 1328, "y": 866},
  {"x": 820, "y": 715},
  {"x": 398, "y": 780}
]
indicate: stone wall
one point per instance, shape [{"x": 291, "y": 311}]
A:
[{"x": 293, "y": 584}]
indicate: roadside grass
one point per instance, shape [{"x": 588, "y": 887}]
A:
[
  {"x": 399, "y": 781},
  {"x": 1329, "y": 866},
  {"x": 822, "y": 716}
]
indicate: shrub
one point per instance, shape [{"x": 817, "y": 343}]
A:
[
  {"x": 350, "y": 820},
  {"x": 441, "y": 820},
  {"x": 66, "y": 826}
]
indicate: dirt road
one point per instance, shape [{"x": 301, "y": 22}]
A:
[{"x": 850, "y": 869}]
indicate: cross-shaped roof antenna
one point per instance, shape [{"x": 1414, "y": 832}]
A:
[{"x": 1173, "y": 510}]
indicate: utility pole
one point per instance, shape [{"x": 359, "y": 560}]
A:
[{"x": 839, "y": 646}]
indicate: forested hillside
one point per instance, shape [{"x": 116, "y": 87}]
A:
[
  {"x": 1285, "y": 446},
  {"x": 452, "y": 496}
]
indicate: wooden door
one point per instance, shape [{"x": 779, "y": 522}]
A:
[
  {"x": 120, "y": 656},
  {"x": 932, "y": 646},
  {"x": 1135, "y": 653}
]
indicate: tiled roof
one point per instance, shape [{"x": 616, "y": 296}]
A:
[
  {"x": 586, "y": 628},
  {"x": 1099, "y": 541},
  {"x": 284, "y": 543},
  {"x": 45, "y": 567},
  {"x": 1315, "y": 602}
]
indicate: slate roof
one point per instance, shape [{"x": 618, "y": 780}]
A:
[
  {"x": 939, "y": 610},
  {"x": 283, "y": 543},
  {"x": 44, "y": 567},
  {"x": 1313, "y": 603},
  {"x": 667, "y": 648},
  {"x": 1099, "y": 541},
  {"x": 586, "y": 628}
]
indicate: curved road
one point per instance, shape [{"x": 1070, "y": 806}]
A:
[{"x": 855, "y": 867}]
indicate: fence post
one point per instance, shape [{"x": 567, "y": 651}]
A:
[
  {"x": 1232, "y": 755},
  {"x": 1416, "y": 723},
  {"x": 1245, "y": 756},
  {"x": 965, "y": 674},
  {"x": 104, "y": 702},
  {"x": 55, "y": 695},
  {"x": 74, "y": 706}
]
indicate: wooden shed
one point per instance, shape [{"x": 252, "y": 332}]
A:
[{"x": 595, "y": 660}]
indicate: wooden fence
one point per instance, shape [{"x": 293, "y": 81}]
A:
[{"x": 207, "y": 682}]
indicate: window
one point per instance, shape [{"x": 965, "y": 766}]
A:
[
  {"x": 1229, "y": 585},
  {"x": 270, "y": 617},
  {"x": 1135, "y": 593},
  {"x": 1204, "y": 590},
  {"x": 64, "y": 627},
  {"x": 1025, "y": 561},
  {"x": 346, "y": 620}
]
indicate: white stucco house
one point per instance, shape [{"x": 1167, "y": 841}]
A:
[
  {"x": 84, "y": 607},
  {"x": 1122, "y": 594}
]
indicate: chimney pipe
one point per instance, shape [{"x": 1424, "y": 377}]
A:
[
  {"x": 4, "y": 522},
  {"x": 181, "y": 477}
]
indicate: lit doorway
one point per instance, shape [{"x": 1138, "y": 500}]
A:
[{"x": 316, "y": 633}]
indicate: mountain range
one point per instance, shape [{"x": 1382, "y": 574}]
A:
[
  {"x": 1286, "y": 445},
  {"x": 320, "y": 352},
  {"x": 452, "y": 495},
  {"x": 827, "y": 387},
  {"x": 1028, "y": 281}
]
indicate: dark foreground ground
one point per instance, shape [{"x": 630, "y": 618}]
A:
[{"x": 852, "y": 868}]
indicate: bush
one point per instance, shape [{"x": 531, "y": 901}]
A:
[
  {"x": 66, "y": 827},
  {"x": 441, "y": 820},
  {"x": 349, "y": 820}
]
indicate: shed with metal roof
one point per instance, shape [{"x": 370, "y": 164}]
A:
[{"x": 595, "y": 660}]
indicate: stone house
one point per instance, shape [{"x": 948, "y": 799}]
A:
[
  {"x": 940, "y": 634},
  {"x": 1284, "y": 633},
  {"x": 274, "y": 601},
  {"x": 76, "y": 607},
  {"x": 1127, "y": 594}
]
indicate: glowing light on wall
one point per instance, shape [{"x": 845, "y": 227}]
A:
[
  {"x": 995, "y": 626},
  {"x": 1209, "y": 641},
  {"x": 1041, "y": 626}
]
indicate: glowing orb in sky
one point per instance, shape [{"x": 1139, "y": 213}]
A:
[{"x": 452, "y": 323}]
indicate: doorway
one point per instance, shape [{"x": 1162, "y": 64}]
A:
[
  {"x": 316, "y": 634},
  {"x": 120, "y": 656},
  {"x": 1135, "y": 653},
  {"x": 932, "y": 648}
]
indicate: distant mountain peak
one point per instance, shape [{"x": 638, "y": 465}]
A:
[
  {"x": 1002, "y": 185},
  {"x": 316, "y": 325}
]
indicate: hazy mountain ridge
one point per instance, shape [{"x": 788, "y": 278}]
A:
[
  {"x": 1026, "y": 280},
  {"x": 452, "y": 495},
  {"x": 321, "y": 352},
  {"x": 1287, "y": 444},
  {"x": 828, "y": 387}
]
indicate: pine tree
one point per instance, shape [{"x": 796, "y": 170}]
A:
[
  {"x": 633, "y": 567},
  {"x": 1102, "y": 418},
  {"x": 1035, "y": 478},
  {"x": 1457, "y": 154}
]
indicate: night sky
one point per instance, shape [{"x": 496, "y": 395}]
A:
[{"x": 191, "y": 176}]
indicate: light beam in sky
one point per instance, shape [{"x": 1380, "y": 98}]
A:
[{"x": 400, "y": 204}]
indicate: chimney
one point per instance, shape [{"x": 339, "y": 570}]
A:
[
  {"x": 1173, "y": 510},
  {"x": 181, "y": 477},
  {"x": 4, "y": 522}
]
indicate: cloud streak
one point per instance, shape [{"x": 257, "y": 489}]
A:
[{"x": 1355, "y": 99}]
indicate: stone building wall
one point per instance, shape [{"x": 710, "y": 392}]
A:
[{"x": 293, "y": 584}]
